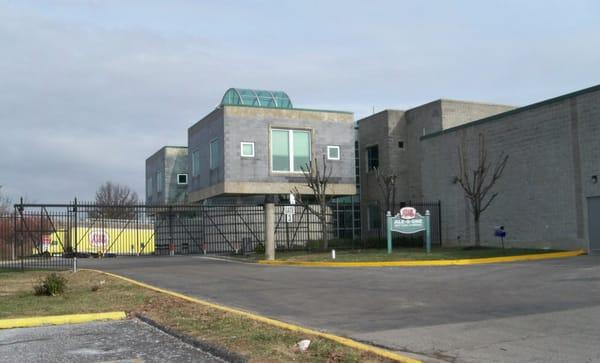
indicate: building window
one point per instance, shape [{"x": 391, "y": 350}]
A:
[
  {"x": 372, "y": 157},
  {"x": 160, "y": 182},
  {"x": 374, "y": 216},
  {"x": 400, "y": 144},
  {"x": 333, "y": 152},
  {"x": 247, "y": 149},
  {"x": 290, "y": 150},
  {"x": 214, "y": 154},
  {"x": 149, "y": 187},
  {"x": 196, "y": 163},
  {"x": 182, "y": 179}
]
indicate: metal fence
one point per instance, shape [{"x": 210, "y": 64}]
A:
[{"x": 51, "y": 235}]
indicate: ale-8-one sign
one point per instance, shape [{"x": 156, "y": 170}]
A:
[
  {"x": 98, "y": 238},
  {"x": 408, "y": 226},
  {"x": 408, "y": 213}
]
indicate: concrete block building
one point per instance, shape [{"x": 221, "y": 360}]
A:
[
  {"x": 255, "y": 143},
  {"x": 391, "y": 141},
  {"x": 167, "y": 176},
  {"x": 549, "y": 192},
  {"x": 549, "y": 195}
]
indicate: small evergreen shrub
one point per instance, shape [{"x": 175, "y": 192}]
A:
[{"x": 54, "y": 284}]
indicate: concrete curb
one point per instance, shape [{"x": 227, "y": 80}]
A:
[
  {"x": 426, "y": 263},
  {"x": 280, "y": 324},
  {"x": 204, "y": 346},
  {"x": 60, "y": 319}
]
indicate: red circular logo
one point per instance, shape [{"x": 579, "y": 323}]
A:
[
  {"x": 98, "y": 238},
  {"x": 408, "y": 213}
]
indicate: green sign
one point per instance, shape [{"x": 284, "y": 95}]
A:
[
  {"x": 408, "y": 226},
  {"x": 408, "y": 221}
]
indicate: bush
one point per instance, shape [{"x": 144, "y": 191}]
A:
[
  {"x": 52, "y": 285},
  {"x": 260, "y": 248}
]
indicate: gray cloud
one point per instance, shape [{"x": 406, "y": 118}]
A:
[{"x": 89, "y": 91}]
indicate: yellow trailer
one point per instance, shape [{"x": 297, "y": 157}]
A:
[{"x": 100, "y": 240}]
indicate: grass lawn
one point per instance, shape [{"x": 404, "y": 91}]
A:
[
  {"x": 399, "y": 254},
  {"x": 258, "y": 342}
]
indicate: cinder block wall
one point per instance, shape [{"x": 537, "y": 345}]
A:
[{"x": 553, "y": 151}]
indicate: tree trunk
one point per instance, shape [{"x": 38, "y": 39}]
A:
[
  {"x": 324, "y": 233},
  {"x": 477, "y": 231}
]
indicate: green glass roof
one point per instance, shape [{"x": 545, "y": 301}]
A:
[{"x": 256, "y": 98}]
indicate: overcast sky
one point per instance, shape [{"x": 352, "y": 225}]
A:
[{"x": 89, "y": 89}]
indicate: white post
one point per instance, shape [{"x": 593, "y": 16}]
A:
[
  {"x": 269, "y": 230},
  {"x": 333, "y": 254}
]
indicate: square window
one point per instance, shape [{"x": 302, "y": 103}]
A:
[
  {"x": 182, "y": 178},
  {"x": 247, "y": 149},
  {"x": 333, "y": 152}
]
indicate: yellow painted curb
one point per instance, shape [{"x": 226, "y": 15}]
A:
[
  {"x": 60, "y": 319},
  {"x": 424, "y": 263},
  {"x": 280, "y": 324}
]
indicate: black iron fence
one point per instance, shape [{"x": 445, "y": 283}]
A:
[{"x": 51, "y": 235}]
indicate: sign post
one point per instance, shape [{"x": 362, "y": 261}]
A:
[{"x": 408, "y": 221}]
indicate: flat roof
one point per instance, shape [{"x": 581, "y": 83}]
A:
[{"x": 498, "y": 116}]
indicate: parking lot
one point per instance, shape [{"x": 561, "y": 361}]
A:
[
  {"x": 121, "y": 341},
  {"x": 546, "y": 311}
]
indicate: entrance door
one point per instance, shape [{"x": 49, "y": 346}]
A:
[{"x": 594, "y": 223}]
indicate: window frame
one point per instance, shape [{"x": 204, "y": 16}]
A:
[
  {"x": 290, "y": 132},
  {"x": 186, "y": 179},
  {"x": 242, "y": 144},
  {"x": 149, "y": 186},
  {"x": 371, "y": 218},
  {"x": 369, "y": 168},
  {"x": 339, "y": 152},
  {"x": 212, "y": 142},
  {"x": 160, "y": 182},
  {"x": 195, "y": 163}
]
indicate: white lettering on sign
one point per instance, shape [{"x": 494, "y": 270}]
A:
[{"x": 408, "y": 213}]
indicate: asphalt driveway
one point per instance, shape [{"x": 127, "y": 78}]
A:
[
  {"x": 124, "y": 341},
  {"x": 545, "y": 311}
]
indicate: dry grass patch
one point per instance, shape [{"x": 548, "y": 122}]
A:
[{"x": 89, "y": 291}]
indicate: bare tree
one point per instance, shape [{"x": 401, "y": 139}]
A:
[
  {"x": 113, "y": 200},
  {"x": 478, "y": 182},
  {"x": 317, "y": 180},
  {"x": 5, "y": 203},
  {"x": 386, "y": 180}
]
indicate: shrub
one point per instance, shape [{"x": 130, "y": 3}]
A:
[
  {"x": 260, "y": 248},
  {"x": 52, "y": 285}
]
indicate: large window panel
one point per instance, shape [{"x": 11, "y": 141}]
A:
[
  {"x": 280, "y": 150},
  {"x": 301, "y": 149}
]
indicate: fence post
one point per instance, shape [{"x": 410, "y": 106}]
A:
[
  {"x": 439, "y": 210},
  {"x": 76, "y": 236},
  {"x": 428, "y": 231},
  {"x": 21, "y": 234},
  {"x": 269, "y": 210},
  {"x": 171, "y": 246},
  {"x": 14, "y": 238}
]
